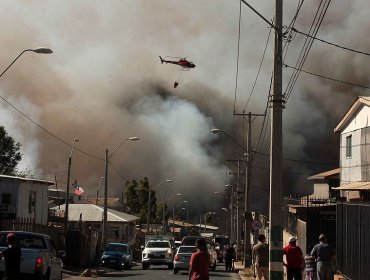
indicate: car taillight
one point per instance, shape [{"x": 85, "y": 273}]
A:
[
  {"x": 177, "y": 258},
  {"x": 39, "y": 263}
]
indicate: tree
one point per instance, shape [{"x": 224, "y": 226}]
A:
[
  {"x": 10, "y": 155},
  {"x": 137, "y": 195}
]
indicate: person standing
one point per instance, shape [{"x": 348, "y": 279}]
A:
[
  {"x": 310, "y": 269},
  {"x": 294, "y": 260},
  {"x": 324, "y": 254},
  {"x": 199, "y": 262},
  {"x": 229, "y": 256},
  {"x": 260, "y": 257},
  {"x": 12, "y": 258}
]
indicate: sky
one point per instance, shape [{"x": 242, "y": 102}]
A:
[{"x": 104, "y": 83}]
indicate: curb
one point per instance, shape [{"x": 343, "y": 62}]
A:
[{"x": 72, "y": 273}]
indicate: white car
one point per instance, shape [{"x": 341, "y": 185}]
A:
[{"x": 157, "y": 252}]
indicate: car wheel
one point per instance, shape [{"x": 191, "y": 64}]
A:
[
  {"x": 175, "y": 270},
  {"x": 145, "y": 266},
  {"x": 47, "y": 275}
]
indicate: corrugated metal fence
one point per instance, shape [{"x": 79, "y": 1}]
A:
[{"x": 353, "y": 240}]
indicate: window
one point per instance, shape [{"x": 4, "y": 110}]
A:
[
  {"x": 31, "y": 202},
  {"x": 349, "y": 146},
  {"x": 5, "y": 198}
]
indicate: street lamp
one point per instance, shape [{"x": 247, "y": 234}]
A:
[
  {"x": 149, "y": 198},
  {"x": 107, "y": 157},
  {"x": 66, "y": 210},
  {"x": 37, "y": 50},
  {"x": 97, "y": 190}
]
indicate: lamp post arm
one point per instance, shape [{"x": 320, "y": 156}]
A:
[
  {"x": 259, "y": 14},
  {"x": 120, "y": 144},
  {"x": 6, "y": 69}
]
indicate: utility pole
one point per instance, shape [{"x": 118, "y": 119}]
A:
[
  {"x": 276, "y": 271},
  {"x": 238, "y": 192},
  {"x": 105, "y": 215},
  {"x": 276, "y": 153},
  {"x": 248, "y": 176}
]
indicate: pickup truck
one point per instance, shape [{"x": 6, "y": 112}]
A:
[
  {"x": 157, "y": 252},
  {"x": 39, "y": 259}
]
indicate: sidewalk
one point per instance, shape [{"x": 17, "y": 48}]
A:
[{"x": 244, "y": 273}]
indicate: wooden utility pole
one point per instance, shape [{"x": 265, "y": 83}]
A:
[{"x": 276, "y": 152}]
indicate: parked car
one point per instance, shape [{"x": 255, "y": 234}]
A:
[
  {"x": 117, "y": 255},
  {"x": 182, "y": 258},
  {"x": 40, "y": 259}
]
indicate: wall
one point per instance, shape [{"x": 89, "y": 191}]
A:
[
  {"x": 39, "y": 210},
  {"x": 351, "y": 167},
  {"x": 321, "y": 190}
]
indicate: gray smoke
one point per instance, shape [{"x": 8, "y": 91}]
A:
[{"x": 105, "y": 83}]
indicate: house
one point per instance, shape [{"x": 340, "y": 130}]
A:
[
  {"x": 120, "y": 226},
  {"x": 58, "y": 197},
  {"x": 24, "y": 199},
  {"x": 354, "y": 129},
  {"x": 323, "y": 183},
  {"x": 353, "y": 226}
]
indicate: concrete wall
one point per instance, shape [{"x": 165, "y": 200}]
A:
[
  {"x": 351, "y": 167},
  {"x": 320, "y": 190}
]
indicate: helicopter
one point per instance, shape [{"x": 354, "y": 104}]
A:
[{"x": 183, "y": 62}]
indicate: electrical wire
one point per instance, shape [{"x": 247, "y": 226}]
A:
[
  {"x": 259, "y": 70},
  {"x": 316, "y": 24},
  {"x": 328, "y": 78},
  {"x": 329, "y": 43},
  {"x": 237, "y": 56},
  {"x": 47, "y": 131}
]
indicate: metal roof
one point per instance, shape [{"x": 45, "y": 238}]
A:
[
  {"x": 93, "y": 213},
  {"x": 354, "y": 186},
  {"x": 324, "y": 175},
  {"x": 27, "y": 179}
]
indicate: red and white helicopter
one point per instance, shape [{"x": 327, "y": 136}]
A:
[{"x": 183, "y": 62}]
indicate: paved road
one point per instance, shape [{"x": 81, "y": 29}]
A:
[{"x": 159, "y": 272}]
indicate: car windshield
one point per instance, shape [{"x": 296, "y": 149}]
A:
[
  {"x": 25, "y": 241},
  {"x": 116, "y": 248},
  {"x": 158, "y": 245},
  {"x": 190, "y": 249}
]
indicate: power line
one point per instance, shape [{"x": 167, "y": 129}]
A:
[
  {"x": 259, "y": 70},
  {"x": 237, "y": 56},
  {"x": 329, "y": 43},
  {"x": 328, "y": 78},
  {"x": 46, "y": 130},
  {"x": 316, "y": 23}
]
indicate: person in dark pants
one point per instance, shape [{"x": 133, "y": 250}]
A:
[
  {"x": 12, "y": 258},
  {"x": 229, "y": 256},
  {"x": 294, "y": 260},
  {"x": 324, "y": 255}
]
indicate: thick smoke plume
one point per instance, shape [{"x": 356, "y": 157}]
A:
[{"x": 105, "y": 83}]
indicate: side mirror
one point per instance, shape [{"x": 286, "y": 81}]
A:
[{"x": 62, "y": 254}]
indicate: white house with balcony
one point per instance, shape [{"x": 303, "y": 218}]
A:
[{"x": 354, "y": 129}]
